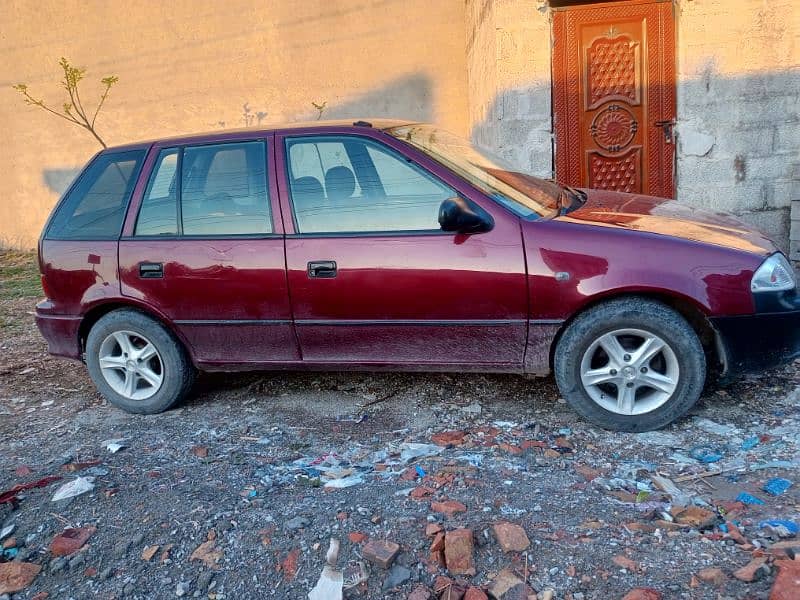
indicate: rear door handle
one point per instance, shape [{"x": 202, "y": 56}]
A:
[
  {"x": 322, "y": 269},
  {"x": 150, "y": 270}
]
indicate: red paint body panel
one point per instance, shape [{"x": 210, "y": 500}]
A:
[
  {"x": 207, "y": 281},
  {"x": 489, "y": 302},
  {"x": 431, "y": 298}
]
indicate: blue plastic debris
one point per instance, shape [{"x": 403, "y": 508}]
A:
[
  {"x": 750, "y": 443},
  {"x": 420, "y": 471},
  {"x": 723, "y": 528},
  {"x": 777, "y": 486},
  {"x": 705, "y": 454},
  {"x": 746, "y": 498},
  {"x": 790, "y": 526}
]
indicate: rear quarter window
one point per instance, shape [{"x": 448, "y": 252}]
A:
[{"x": 95, "y": 206}]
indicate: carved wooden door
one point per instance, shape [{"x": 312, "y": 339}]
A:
[{"x": 614, "y": 96}]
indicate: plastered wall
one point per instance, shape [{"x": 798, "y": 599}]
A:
[{"x": 189, "y": 66}]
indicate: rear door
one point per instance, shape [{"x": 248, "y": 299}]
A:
[
  {"x": 373, "y": 280},
  {"x": 203, "y": 247}
]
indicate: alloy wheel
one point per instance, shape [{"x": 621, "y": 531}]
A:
[
  {"x": 131, "y": 365},
  {"x": 629, "y": 371}
]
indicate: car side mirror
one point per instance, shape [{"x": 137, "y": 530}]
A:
[{"x": 461, "y": 216}]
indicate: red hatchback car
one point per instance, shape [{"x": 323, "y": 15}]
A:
[{"x": 395, "y": 245}]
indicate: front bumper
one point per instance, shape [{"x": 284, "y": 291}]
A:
[
  {"x": 751, "y": 343},
  {"x": 59, "y": 331}
]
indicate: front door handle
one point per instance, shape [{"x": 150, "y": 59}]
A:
[
  {"x": 322, "y": 269},
  {"x": 151, "y": 270}
]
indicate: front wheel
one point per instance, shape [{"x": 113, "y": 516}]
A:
[
  {"x": 631, "y": 364},
  {"x": 136, "y": 364}
]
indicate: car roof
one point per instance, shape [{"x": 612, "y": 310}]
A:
[{"x": 306, "y": 126}]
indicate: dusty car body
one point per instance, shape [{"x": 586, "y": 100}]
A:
[{"x": 392, "y": 245}]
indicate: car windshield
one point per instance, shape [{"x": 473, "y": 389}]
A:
[{"x": 526, "y": 195}]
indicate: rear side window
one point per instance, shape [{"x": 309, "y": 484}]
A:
[
  {"x": 94, "y": 208},
  {"x": 212, "y": 190}
]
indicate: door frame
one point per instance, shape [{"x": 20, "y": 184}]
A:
[{"x": 567, "y": 156}]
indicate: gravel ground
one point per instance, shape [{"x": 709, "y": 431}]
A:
[{"x": 238, "y": 493}]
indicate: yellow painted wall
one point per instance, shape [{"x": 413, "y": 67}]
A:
[{"x": 187, "y": 66}]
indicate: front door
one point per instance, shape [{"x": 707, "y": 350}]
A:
[
  {"x": 372, "y": 278},
  {"x": 203, "y": 247},
  {"x": 614, "y": 96}
]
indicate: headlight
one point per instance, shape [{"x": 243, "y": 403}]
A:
[{"x": 774, "y": 275}]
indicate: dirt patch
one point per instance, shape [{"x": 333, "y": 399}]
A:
[{"x": 248, "y": 477}]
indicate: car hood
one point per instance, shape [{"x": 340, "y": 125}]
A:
[{"x": 668, "y": 217}]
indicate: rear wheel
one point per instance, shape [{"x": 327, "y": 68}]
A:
[
  {"x": 631, "y": 364},
  {"x": 136, "y": 364}
]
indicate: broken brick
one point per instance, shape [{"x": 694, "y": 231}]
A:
[
  {"x": 458, "y": 549},
  {"x": 735, "y": 534},
  {"x": 511, "y": 449},
  {"x": 696, "y": 517},
  {"x": 787, "y": 582},
  {"x": 381, "y": 552},
  {"x": 431, "y": 529},
  {"x": 15, "y": 576},
  {"x": 448, "y": 589},
  {"x": 475, "y": 593},
  {"x": 511, "y": 537},
  {"x": 448, "y": 507},
  {"x": 149, "y": 552},
  {"x": 643, "y": 593},
  {"x": 200, "y": 451},
  {"x": 446, "y": 438},
  {"x": 421, "y": 492},
  {"x": 356, "y": 537},
  {"x": 753, "y": 571},
  {"x": 507, "y": 586},
  {"x": 71, "y": 540},
  {"x": 289, "y": 564},
  {"x": 438, "y": 542},
  {"x": 626, "y": 563},
  {"x": 713, "y": 575},
  {"x": 208, "y": 553}
]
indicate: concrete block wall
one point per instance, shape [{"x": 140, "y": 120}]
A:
[
  {"x": 739, "y": 108},
  {"x": 794, "y": 232},
  {"x": 508, "y": 75}
]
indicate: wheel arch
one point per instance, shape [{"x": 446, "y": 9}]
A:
[
  {"x": 691, "y": 310},
  {"x": 96, "y": 312}
]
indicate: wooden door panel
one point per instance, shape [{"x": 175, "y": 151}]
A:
[{"x": 613, "y": 88}]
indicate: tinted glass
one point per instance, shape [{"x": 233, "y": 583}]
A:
[
  {"x": 95, "y": 207},
  {"x": 351, "y": 184},
  {"x": 158, "y": 214},
  {"x": 224, "y": 190}
]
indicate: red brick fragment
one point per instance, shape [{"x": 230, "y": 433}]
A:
[
  {"x": 356, "y": 537},
  {"x": 787, "y": 582},
  {"x": 446, "y": 438},
  {"x": 643, "y": 593},
  {"x": 458, "y": 550},
  {"x": 448, "y": 507},
  {"x": 511, "y": 537},
  {"x": 71, "y": 540},
  {"x": 381, "y": 552}
]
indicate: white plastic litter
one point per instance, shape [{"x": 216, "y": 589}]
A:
[
  {"x": 7, "y": 531},
  {"x": 73, "y": 488},
  {"x": 331, "y": 581},
  {"x": 115, "y": 445},
  {"x": 344, "y": 482},
  {"x": 409, "y": 452}
]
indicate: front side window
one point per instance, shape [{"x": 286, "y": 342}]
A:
[
  {"x": 524, "y": 194},
  {"x": 219, "y": 189},
  {"x": 344, "y": 184},
  {"x": 95, "y": 206}
]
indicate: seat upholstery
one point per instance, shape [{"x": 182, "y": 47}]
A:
[{"x": 340, "y": 183}]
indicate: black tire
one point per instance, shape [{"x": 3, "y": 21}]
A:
[
  {"x": 178, "y": 373},
  {"x": 630, "y": 313}
]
